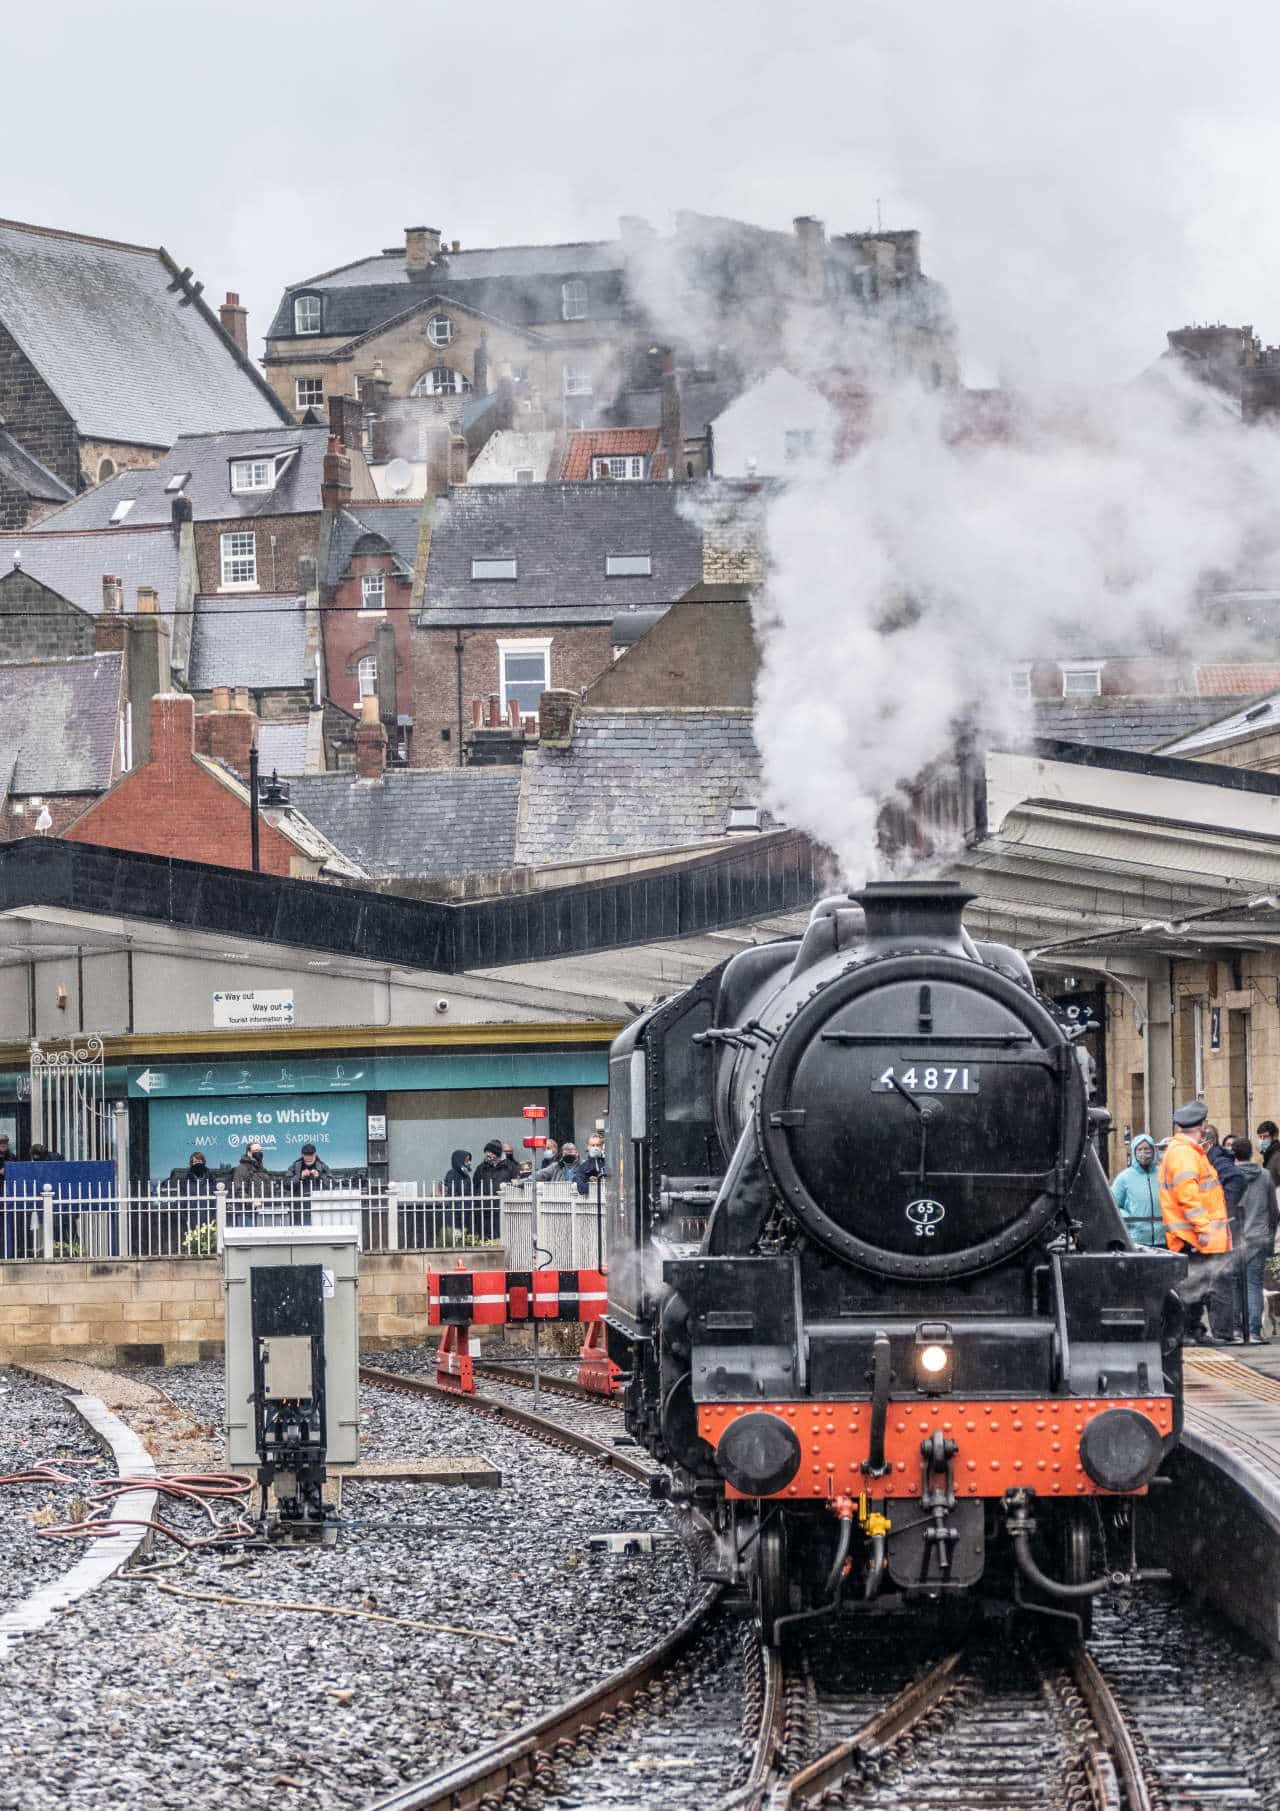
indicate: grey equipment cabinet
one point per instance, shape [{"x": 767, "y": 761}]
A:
[{"x": 294, "y": 1326}]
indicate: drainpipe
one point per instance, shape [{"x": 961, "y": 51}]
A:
[
  {"x": 253, "y": 809},
  {"x": 457, "y": 654}
]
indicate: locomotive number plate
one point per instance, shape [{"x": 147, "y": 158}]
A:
[{"x": 927, "y": 1078}]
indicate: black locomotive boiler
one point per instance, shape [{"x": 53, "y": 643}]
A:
[{"x": 876, "y": 1312}]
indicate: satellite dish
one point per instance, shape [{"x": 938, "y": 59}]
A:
[{"x": 399, "y": 476}]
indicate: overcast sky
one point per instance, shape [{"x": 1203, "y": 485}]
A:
[{"x": 1086, "y": 173}]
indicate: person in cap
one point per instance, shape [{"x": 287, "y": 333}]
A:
[
  {"x": 489, "y": 1175},
  {"x": 1194, "y": 1211},
  {"x": 308, "y": 1169}
]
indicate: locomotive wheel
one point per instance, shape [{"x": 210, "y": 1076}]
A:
[
  {"x": 1077, "y": 1558},
  {"x": 772, "y": 1578}
]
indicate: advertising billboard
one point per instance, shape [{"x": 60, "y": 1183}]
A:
[{"x": 336, "y": 1124}]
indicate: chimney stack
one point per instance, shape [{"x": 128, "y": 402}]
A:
[
  {"x": 180, "y": 512},
  {"x": 556, "y": 711},
  {"x": 235, "y": 321},
  {"x": 173, "y": 716},
  {"x": 421, "y": 245},
  {"x": 671, "y": 418},
  {"x": 112, "y": 594},
  {"x": 109, "y": 630},
  {"x": 148, "y": 601},
  {"x": 228, "y": 731},
  {"x": 480, "y": 368},
  {"x": 436, "y": 441},
  {"x": 370, "y": 741},
  {"x": 335, "y": 484}
]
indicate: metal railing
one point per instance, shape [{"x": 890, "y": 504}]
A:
[{"x": 550, "y": 1226}]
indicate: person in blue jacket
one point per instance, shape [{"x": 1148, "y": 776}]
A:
[{"x": 1137, "y": 1193}]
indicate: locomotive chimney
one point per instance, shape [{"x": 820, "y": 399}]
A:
[{"x": 909, "y": 913}]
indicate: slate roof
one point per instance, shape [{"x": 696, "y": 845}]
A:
[
  {"x": 73, "y": 565},
  {"x": 517, "y": 283},
  {"x": 398, "y": 524},
  {"x": 637, "y": 780},
  {"x": 1137, "y": 724},
  {"x": 559, "y": 535},
  {"x": 257, "y": 640},
  {"x": 127, "y": 358},
  {"x": 599, "y": 443},
  {"x": 206, "y": 458},
  {"x": 28, "y": 476},
  {"x": 701, "y": 400},
  {"x": 415, "y": 823},
  {"x": 282, "y": 748},
  {"x": 59, "y": 720}
]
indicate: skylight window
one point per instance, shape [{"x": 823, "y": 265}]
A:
[
  {"x": 177, "y": 483},
  {"x": 494, "y": 569},
  {"x": 122, "y": 508},
  {"x": 628, "y": 565}
]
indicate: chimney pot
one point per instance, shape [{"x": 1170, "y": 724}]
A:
[
  {"x": 222, "y": 697},
  {"x": 241, "y": 698},
  {"x": 112, "y": 593},
  {"x": 495, "y": 711},
  {"x": 457, "y": 245},
  {"x": 477, "y": 713},
  {"x": 513, "y": 712}
]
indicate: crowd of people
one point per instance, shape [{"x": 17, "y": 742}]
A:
[
  {"x": 1211, "y": 1199},
  {"x": 499, "y": 1166}
]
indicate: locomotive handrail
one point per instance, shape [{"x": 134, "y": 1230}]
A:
[{"x": 988, "y": 1040}]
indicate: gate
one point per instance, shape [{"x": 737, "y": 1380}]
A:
[{"x": 69, "y": 1112}]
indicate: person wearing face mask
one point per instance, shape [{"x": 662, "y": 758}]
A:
[
  {"x": 592, "y": 1165},
  {"x": 194, "y": 1180},
  {"x": 1269, "y": 1146},
  {"x": 1137, "y": 1193},
  {"x": 1194, "y": 1210}
]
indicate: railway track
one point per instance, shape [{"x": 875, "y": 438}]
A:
[
  {"x": 519, "y": 1377},
  {"x": 571, "y": 1733},
  {"x": 981, "y": 1724}
]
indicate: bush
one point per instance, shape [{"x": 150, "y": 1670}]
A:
[
  {"x": 455, "y": 1238},
  {"x": 201, "y": 1241},
  {"x": 67, "y": 1248}
]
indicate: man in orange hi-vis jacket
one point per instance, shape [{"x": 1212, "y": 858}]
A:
[{"x": 1194, "y": 1211}]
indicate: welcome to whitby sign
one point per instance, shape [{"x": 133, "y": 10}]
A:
[{"x": 334, "y": 1123}]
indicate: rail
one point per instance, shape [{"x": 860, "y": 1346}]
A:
[
  {"x": 529, "y": 1754},
  {"x": 547, "y": 1225}
]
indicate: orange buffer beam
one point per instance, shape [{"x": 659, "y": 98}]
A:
[{"x": 1001, "y": 1444}]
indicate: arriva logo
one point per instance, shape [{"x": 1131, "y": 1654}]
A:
[{"x": 926, "y": 1216}]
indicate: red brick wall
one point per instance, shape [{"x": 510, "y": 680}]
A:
[
  {"x": 172, "y": 806},
  {"x": 349, "y": 632},
  {"x": 64, "y": 810},
  {"x": 295, "y": 536},
  {"x": 577, "y": 657}
]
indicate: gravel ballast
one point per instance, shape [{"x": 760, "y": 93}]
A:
[
  {"x": 141, "y": 1698},
  {"x": 37, "y": 1427}
]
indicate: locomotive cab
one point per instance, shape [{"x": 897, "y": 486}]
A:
[{"x": 878, "y": 1312}]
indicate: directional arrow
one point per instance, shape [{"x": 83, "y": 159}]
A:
[{"x": 149, "y": 1080}]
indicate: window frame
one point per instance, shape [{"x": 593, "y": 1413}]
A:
[
  {"x": 228, "y": 559},
  {"x": 368, "y": 580},
  {"x": 268, "y": 465},
  {"x": 495, "y": 578},
  {"x": 577, "y": 381},
  {"x": 1020, "y": 680},
  {"x": 577, "y": 308},
  {"x": 440, "y": 320},
  {"x": 526, "y": 647},
  {"x": 1081, "y": 669},
  {"x": 524, "y": 474},
  {"x": 459, "y": 386},
  {"x": 366, "y": 678},
  {"x": 634, "y": 462},
  {"x": 298, "y": 403},
  {"x": 613, "y": 563},
  {"x": 310, "y": 301},
  {"x": 798, "y": 444}
]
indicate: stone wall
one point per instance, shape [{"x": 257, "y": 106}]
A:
[
  {"x": 170, "y": 1310},
  {"x": 37, "y": 624},
  {"x": 34, "y": 416}
]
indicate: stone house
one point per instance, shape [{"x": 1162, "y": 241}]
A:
[
  {"x": 108, "y": 353},
  {"x": 523, "y": 586}
]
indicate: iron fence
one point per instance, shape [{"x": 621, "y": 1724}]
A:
[{"x": 547, "y": 1225}]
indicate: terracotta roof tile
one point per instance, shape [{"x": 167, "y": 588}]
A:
[
  {"x": 1239, "y": 676},
  {"x": 601, "y": 443}
]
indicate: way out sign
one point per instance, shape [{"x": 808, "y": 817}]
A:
[{"x": 257, "y": 1006}]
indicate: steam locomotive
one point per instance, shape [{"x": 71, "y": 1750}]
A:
[{"x": 874, "y": 1308}]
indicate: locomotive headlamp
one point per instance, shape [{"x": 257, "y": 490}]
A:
[{"x": 933, "y": 1357}]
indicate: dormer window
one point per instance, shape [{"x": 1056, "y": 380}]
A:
[
  {"x": 1083, "y": 680},
  {"x": 306, "y": 314},
  {"x": 253, "y": 474},
  {"x": 629, "y": 466},
  {"x": 373, "y": 591},
  {"x": 573, "y": 301},
  {"x": 439, "y": 330}
]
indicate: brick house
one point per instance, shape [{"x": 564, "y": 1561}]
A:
[
  {"x": 107, "y": 353},
  {"x": 367, "y": 592},
  {"x": 257, "y": 502},
  {"x": 187, "y": 799},
  {"x": 523, "y": 585}
]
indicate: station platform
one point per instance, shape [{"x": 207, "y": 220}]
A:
[{"x": 1218, "y": 1527}]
